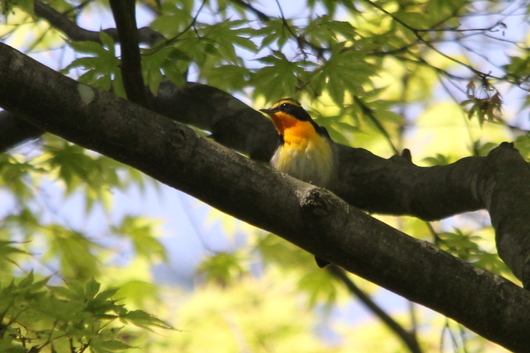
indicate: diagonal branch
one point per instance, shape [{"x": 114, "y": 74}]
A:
[
  {"x": 14, "y": 131},
  {"x": 312, "y": 218}
]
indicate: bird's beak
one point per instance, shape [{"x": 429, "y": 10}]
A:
[{"x": 267, "y": 111}]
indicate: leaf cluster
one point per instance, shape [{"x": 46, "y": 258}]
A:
[
  {"x": 465, "y": 245},
  {"x": 487, "y": 108},
  {"x": 100, "y": 65},
  {"x": 35, "y": 318}
]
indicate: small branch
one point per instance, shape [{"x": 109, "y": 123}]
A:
[
  {"x": 300, "y": 40},
  {"x": 262, "y": 17},
  {"x": 75, "y": 33},
  {"x": 190, "y": 26},
  {"x": 426, "y": 42},
  {"x": 370, "y": 115},
  {"x": 408, "y": 338},
  {"x": 417, "y": 34},
  {"x": 65, "y": 24},
  {"x": 131, "y": 62}
]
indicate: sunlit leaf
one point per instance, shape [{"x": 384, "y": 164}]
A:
[
  {"x": 223, "y": 268},
  {"x": 142, "y": 232},
  {"x": 142, "y": 319}
]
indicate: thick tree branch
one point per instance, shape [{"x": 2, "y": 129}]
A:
[
  {"x": 230, "y": 122},
  {"x": 310, "y": 217},
  {"x": 13, "y": 131}
]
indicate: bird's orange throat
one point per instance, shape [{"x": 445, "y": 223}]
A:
[{"x": 291, "y": 128}]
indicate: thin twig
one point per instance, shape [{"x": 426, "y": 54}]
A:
[
  {"x": 429, "y": 44},
  {"x": 367, "y": 111},
  {"x": 262, "y": 17},
  {"x": 408, "y": 338}
]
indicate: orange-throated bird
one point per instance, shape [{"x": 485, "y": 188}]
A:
[{"x": 306, "y": 150}]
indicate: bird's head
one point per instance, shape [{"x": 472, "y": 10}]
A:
[{"x": 288, "y": 113}]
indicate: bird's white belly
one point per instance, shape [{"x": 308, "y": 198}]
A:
[{"x": 309, "y": 161}]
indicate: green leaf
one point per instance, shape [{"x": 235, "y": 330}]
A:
[
  {"x": 414, "y": 19},
  {"x": 223, "y": 268},
  {"x": 276, "y": 31},
  {"x": 142, "y": 232},
  {"x": 26, "y": 281},
  {"x": 345, "y": 71},
  {"x": 6, "y": 250},
  {"x": 139, "y": 292},
  {"x": 102, "y": 66},
  {"x": 226, "y": 35},
  {"x": 342, "y": 27},
  {"x": 463, "y": 245},
  {"x": 107, "y": 42},
  {"x": 172, "y": 22},
  {"x": 439, "y": 159},
  {"x": 111, "y": 345},
  {"x": 75, "y": 252},
  {"x": 492, "y": 263},
  {"x": 441, "y": 9},
  {"x": 142, "y": 319},
  {"x": 522, "y": 144},
  {"x": 326, "y": 32},
  {"x": 79, "y": 171},
  {"x": 274, "y": 249},
  {"x": 227, "y": 77},
  {"x": 88, "y": 47},
  {"x": 26, "y": 6},
  {"x": 92, "y": 288},
  {"x": 64, "y": 292},
  {"x": 106, "y": 294},
  {"x": 480, "y": 149},
  {"x": 117, "y": 86},
  {"x": 320, "y": 287},
  {"x": 279, "y": 79},
  {"x": 15, "y": 175}
]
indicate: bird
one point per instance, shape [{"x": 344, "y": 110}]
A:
[{"x": 305, "y": 150}]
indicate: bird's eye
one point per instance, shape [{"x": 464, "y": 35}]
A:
[{"x": 284, "y": 105}]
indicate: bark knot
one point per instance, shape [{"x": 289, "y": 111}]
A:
[
  {"x": 314, "y": 202},
  {"x": 405, "y": 158},
  {"x": 177, "y": 137}
]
